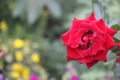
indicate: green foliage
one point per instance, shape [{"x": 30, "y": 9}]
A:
[
  {"x": 116, "y": 27},
  {"x": 114, "y": 23},
  {"x": 45, "y": 29},
  {"x": 100, "y": 10}
]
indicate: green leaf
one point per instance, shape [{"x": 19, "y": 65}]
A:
[
  {"x": 116, "y": 40},
  {"x": 115, "y": 50},
  {"x": 100, "y": 10},
  {"x": 114, "y": 22},
  {"x": 110, "y": 55},
  {"x": 116, "y": 27},
  {"x": 97, "y": 10},
  {"x": 117, "y": 70},
  {"x": 117, "y": 35}
]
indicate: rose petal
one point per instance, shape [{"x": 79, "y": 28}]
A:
[
  {"x": 91, "y": 27},
  {"x": 97, "y": 46},
  {"x": 86, "y": 60},
  {"x": 92, "y": 50},
  {"x": 109, "y": 43},
  {"x": 101, "y": 56},
  {"x": 83, "y": 53},
  {"x": 69, "y": 39},
  {"x": 65, "y": 37},
  {"x": 101, "y": 24},
  {"x": 75, "y": 38},
  {"x": 75, "y": 23},
  {"x": 91, "y": 64},
  {"x": 72, "y": 53},
  {"x": 111, "y": 32},
  {"x": 68, "y": 58},
  {"x": 91, "y": 17}
]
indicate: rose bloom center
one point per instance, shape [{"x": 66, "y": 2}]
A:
[{"x": 86, "y": 40}]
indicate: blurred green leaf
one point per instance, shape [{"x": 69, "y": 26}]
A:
[
  {"x": 117, "y": 35},
  {"x": 19, "y": 31},
  {"x": 110, "y": 55},
  {"x": 114, "y": 22},
  {"x": 91, "y": 75},
  {"x": 117, "y": 70},
  {"x": 33, "y": 9},
  {"x": 100, "y": 10},
  {"x": 116, "y": 27},
  {"x": 116, "y": 40},
  {"x": 97, "y": 10},
  {"x": 115, "y": 49}
]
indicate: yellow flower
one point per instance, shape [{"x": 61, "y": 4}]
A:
[
  {"x": 3, "y": 26},
  {"x": 25, "y": 73},
  {"x": 35, "y": 58},
  {"x": 15, "y": 74},
  {"x": 18, "y": 56},
  {"x": 17, "y": 67},
  {"x": 18, "y": 43}
]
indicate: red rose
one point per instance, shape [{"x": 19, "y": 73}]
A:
[{"x": 88, "y": 40}]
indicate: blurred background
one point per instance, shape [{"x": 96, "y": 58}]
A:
[{"x": 30, "y": 40}]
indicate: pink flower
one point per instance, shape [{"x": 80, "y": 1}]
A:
[
  {"x": 74, "y": 78},
  {"x": 34, "y": 77},
  {"x": 2, "y": 53}
]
